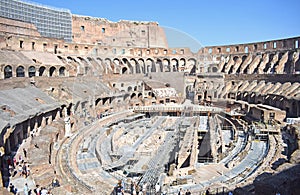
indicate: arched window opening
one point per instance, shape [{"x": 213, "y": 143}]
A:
[
  {"x": 7, "y": 72},
  {"x": 41, "y": 71},
  {"x": 20, "y": 71},
  {"x": 62, "y": 71},
  {"x": 124, "y": 70},
  {"x": 31, "y": 71},
  {"x": 52, "y": 71}
]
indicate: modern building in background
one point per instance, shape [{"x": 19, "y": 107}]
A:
[{"x": 50, "y": 22}]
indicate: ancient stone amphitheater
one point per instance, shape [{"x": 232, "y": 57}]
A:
[{"x": 95, "y": 101}]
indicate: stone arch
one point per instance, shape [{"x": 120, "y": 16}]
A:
[
  {"x": 189, "y": 92},
  {"x": 52, "y": 71},
  {"x": 140, "y": 95},
  {"x": 129, "y": 89},
  {"x": 7, "y": 71},
  {"x": 244, "y": 57},
  {"x": 191, "y": 65},
  {"x": 81, "y": 59},
  {"x": 174, "y": 65},
  {"x": 160, "y": 65},
  {"x": 124, "y": 70},
  {"x": 151, "y": 94},
  {"x": 89, "y": 59},
  {"x": 133, "y": 95},
  {"x": 31, "y": 71},
  {"x": 106, "y": 101},
  {"x": 141, "y": 64},
  {"x": 117, "y": 62},
  {"x": 129, "y": 66},
  {"x": 98, "y": 101},
  {"x": 166, "y": 65},
  {"x": 235, "y": 58},
  {"x": 150, "y": 65},
  {"x": 182, "y": 64},
  {"x": 62, "y": 71},
  {"x": 135, "y": 66},
  {"x": 42, "y": 71},
  {"x": 100, "y": 62},
  {"x": 126, "y": 97},
  {"x": 20, "y": 71},
  {"x": 214, "y": 69},
  {"x": 109, "y": 66}
]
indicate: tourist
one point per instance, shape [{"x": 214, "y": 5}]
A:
[
  {"x": 119, "y": 190},
  {"x": 25, "y": 153},
  {"x": 157, "y": 188},
  {"x": 24, "y": 170},
  {"x": 11, "y": 188},
  {"x": 11, "y": 169},
  {"x": 144, "y": 188},
  {"x": 207, "y": 191},
  {"x": 188, "y": 192},
  {"x": 26, "y": 189},
  {"x": 55, "y": 182},
  {"x": 20, "y": 169},
  {"x": 44, "y": 191},
  {"x": 20, "y": 159},
  {"x": 180, "y": 192},
  {"x": 28, "y": 170},
  {"x": 15, "y": 162},
  {"x": 37, "y": 190}
]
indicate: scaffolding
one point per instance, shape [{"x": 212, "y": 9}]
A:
[{"x": 49, "y": 21}]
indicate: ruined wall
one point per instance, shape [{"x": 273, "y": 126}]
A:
[
  {"x": 264, "y": 77},
  {"x": 18, "y": 27},
  {"x": 272, "y": 45},
  {"x": 120, "y": 34}
]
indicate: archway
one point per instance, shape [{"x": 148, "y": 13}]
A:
[
  {"x": 52, "y": 71},
  {"x": 133, "y": 95},
  {"x": 7, "y": 72},
  {"x": 109, "y": 66},
  {"x": 31, "y": 71},
  {"x": 62, "y": 71},
  {"x": 129, "y": 89},
  {"x": 141, "y": 65},
  {"x": 166, "y": 65},
  {"x": 182, "y": 66},
  {"x": 41, "y": 70},
  {"x": 191, "y": 66},
  {"x": 160, "y": 65},
  {"x": 174, "y": 63},
  {"x": 128, "y": 64},
  {"x": 20, "y": 71},
  {"x": 124, "y": 70},
  {"x": 150, "y": 65},
  {"x": 135, "y": 67}
]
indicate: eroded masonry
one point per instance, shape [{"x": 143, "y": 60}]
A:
[{"x": 97, "y": 101}]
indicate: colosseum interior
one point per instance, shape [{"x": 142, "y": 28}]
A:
[{"x": 105, "y": 101}]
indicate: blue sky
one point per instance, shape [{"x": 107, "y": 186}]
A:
[{"x": 214, "y": 22}]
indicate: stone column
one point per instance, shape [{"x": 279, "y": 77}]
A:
[
  {"x": 49, "y": 120},
  {"x": 57, "y": 116},
  {"x": 35, "y": 125},
  {"x": 67, "y": 126},
  {"x": 43, "y": 124}
]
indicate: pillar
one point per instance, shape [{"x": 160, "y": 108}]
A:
[
  {"x": 57, "y": 116},
  {"x": 35, "y": 124},
  {"x": 67, "y": 126},
  {"x": 50, "y": 120},
  {"x": 43, "y": 124}
]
